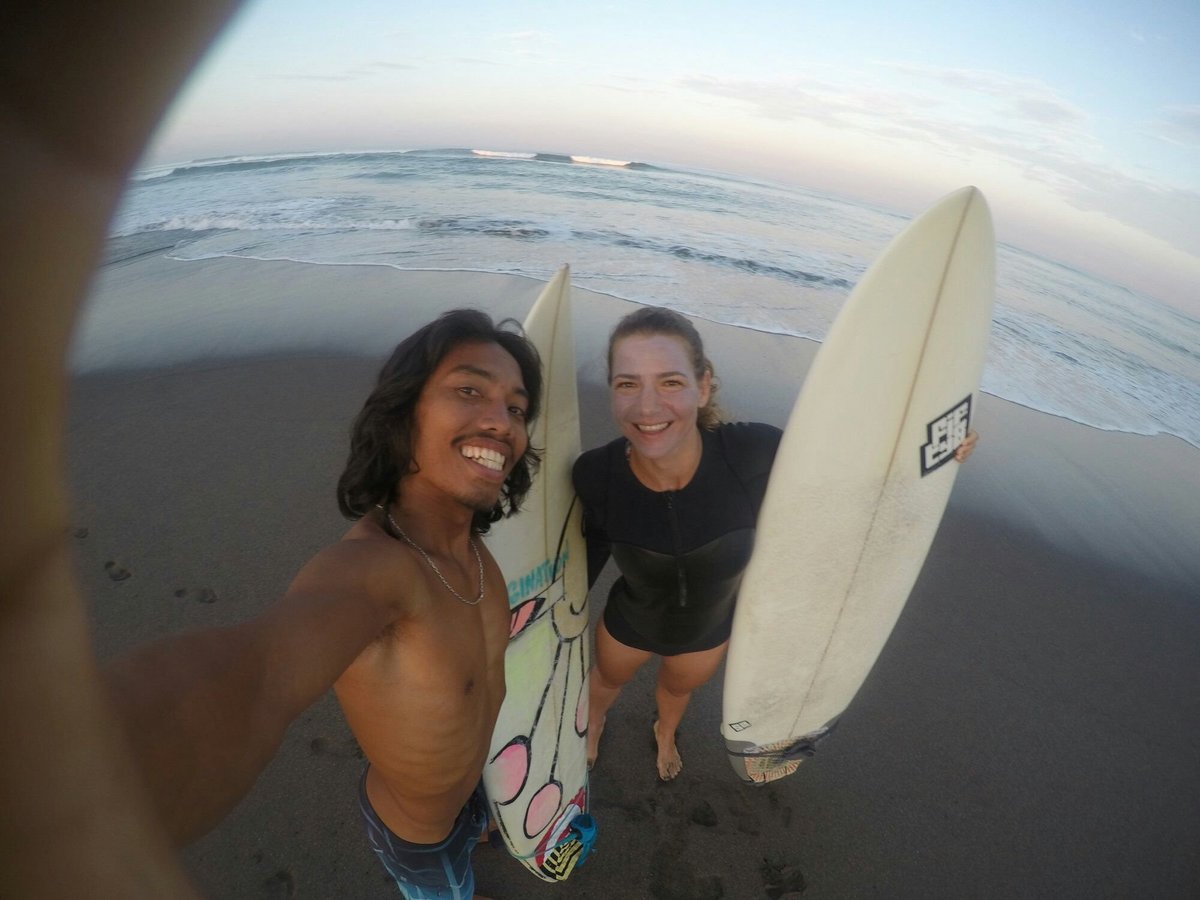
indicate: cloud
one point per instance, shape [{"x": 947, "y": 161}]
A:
[
  {"x": 1179, "y": 125},
  {"x": 525, "y": 36},
  {"x": 1028, "y": 99},
  {"x": 981, "y": 116},
  {"x": 1047, "y": 111},
  {"x": 800, "y": 97},
  {"x": 345, "y": 76},
  {"x": 1014, "y": 118},
  {"x": 527, "y": 44},
  {"x": 630, "y": 85}
]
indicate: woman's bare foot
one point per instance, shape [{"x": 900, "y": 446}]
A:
[
  {"x": 669, "y": 762},
  {"x": 593, "y": 742}
]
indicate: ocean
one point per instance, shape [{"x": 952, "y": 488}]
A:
[{"x": 725, "y": 248}]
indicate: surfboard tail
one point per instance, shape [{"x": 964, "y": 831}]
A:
[{"x": 763, "y": 763}]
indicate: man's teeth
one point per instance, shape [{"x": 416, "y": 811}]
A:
[
  {"x": 651, "y": 429},
  {"x": 489, "y": 458}
]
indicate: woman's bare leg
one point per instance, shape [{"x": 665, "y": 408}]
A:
[
  {"x": 613, "y": 666},
  {"x": 678, "y": 676}
]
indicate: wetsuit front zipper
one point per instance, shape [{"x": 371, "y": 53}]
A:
[{"x": 680, "y": 571}]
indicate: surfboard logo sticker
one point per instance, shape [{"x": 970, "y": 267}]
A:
[{"x": 944, "y": 434}]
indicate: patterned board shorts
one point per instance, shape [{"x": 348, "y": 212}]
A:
[{"x": 440, "y": 871}]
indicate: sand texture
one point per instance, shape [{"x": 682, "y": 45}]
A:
[{"x": 1032, "y": 729}]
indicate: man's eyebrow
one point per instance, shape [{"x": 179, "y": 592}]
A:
[{"x": 487, "y": 374}]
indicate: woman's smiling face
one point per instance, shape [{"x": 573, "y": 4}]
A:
[{"x": 656, "y": 394}]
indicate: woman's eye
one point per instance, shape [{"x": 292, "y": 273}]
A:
[{"x": 517, "y": 411}]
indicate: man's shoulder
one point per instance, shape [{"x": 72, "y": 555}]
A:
[{"x": 363, "y": 565}]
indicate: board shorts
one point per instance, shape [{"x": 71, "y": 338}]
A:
[{"x": 440, "y": 871}]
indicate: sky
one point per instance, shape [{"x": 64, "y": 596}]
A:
[{"x": 1080, "y": 121}]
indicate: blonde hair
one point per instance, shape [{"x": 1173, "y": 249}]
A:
[{"x": 651, "y": 320}]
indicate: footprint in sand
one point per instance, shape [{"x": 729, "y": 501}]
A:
[
  {"x": 781, "y": 880},
  {"x": 677, "y": 882},
  {"x": 197, "y": 595},
  {"x": 281, "y": 884},
  {"x": 704, "y": 814},
  {"x": 673, "y": 877},
  {"x": 116, "y": 571}
]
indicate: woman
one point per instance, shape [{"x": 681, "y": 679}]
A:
[{"x": 674, "y": 501}]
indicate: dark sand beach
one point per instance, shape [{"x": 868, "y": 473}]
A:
[{"x": 1032, "y": 729}]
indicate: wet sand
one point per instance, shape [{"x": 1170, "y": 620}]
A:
[{"x": 1030, "y": 730}]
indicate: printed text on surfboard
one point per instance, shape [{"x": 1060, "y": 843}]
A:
[
  {"x": 536, "y": 579},
  {"x": 945, "y": 433}
]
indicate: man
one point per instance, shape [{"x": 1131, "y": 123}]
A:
[
  {"x": 431, "y": 454},
  {"x": 78, "y": 815},
  {"x": 408, "y": 612}
]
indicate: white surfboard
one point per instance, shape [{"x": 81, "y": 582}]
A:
[
  {"x": 859, "y": 486},
  {"x": 536, "y": 774}
]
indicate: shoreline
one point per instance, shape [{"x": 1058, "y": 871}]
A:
[
  {"x": 125, "y": 249},
  {"x": 1029, "y": 729}
]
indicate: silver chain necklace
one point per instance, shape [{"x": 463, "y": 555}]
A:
[{"x": 433, "y": 565}]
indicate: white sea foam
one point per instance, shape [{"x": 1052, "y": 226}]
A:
[
  {"x": 600, "y": 161},
  {"x": 723, "y": 248},
  {"x": 503, "y": 154}
]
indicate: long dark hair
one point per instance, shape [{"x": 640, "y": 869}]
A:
[
  {"x": 651, "y": 320},
  {"x": 381, "y": 439}
]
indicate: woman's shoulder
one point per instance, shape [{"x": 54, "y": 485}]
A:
[
  {"x": 749, "y": 449},
  {"x": 751, "y": 439},
  {"x": 593, "y": 465}
]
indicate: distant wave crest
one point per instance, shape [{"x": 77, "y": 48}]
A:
[
  {"x": 225, "y": 165},
  {"x": 575, "y": 159},
  {"x": 601, "y": 161},
  {"x": 249, "y": 163},
  {"x": 503, "y": 154}
]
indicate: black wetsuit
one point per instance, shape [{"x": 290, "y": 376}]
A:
[{"x": 681, "y": 553}]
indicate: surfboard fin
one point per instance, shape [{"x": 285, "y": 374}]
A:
[
  {"x": 570, "y": 853},
  {"x": 765, "y": 763}
]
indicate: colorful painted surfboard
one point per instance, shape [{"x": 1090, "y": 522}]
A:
[{"x": 536, "y": 774}]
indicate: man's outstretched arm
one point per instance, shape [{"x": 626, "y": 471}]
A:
[
  {"x": 81, "y": 87},
  {"x": 204, "y": 712}
]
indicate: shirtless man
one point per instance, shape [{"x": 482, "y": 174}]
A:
[
  {"x": 408, "y": 612},
  {"x": 102, "y": 777},
  {"x": 431, "y": 454}
]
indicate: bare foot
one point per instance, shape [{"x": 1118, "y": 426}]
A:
[
  {"x": 669, "y": 762},
  {"x": 593, "y": 742}
]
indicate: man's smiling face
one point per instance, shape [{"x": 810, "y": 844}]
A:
[{"x": 470, "y": 424}]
